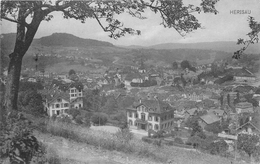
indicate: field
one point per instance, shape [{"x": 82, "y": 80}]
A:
[{"x": 130, "y": 148}]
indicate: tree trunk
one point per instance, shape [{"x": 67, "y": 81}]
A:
[
  {"x": 24, "y": 38},
  {"x": 12, "y": 83}
]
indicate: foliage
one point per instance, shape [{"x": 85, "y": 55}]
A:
[
  {"x": 110, "y": 106},
  {"x": 124, "y": 135},
  {"x": 174, "y": 65},
  {"x": 185, "y": 64},
  {"x": 247, "y": 143},
  {"x": 218, "y": 147},
  {"x": 64, "y": 118},
  {"x": 32, "y": 102},
  {"x": 120, "y": 117},
  {"x": 197, "y": 130},
  {"x": 178, "y": 140},
  {"x": 24, "y": 86},
  {"x": 99, "y": 118},
  {"x": 249, "y": 98},
  {"x": 73, "y": 112},
  {"x": 253, "y": 37},
  {"x": 72, "y": 72},
  {"x": 195, "y": 141},
  {"x": 79, "y": 120},
  {"x": 93, "y": 100},
  {"x": 17, "y": 141},
  {"x": 214, "y": 127}
]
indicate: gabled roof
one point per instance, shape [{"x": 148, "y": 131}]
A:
[
  {"x": 61, "y": 95},
  {"x": 250, "y": 123},
  {"x": 242, "y": 73},
  {"x": 191, "y": 111},
  {"x": 209, "y": 118},
  {"x": 154, "y": 105}
]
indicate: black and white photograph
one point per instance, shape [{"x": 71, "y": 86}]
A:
[{"x": 130, "y": 82}]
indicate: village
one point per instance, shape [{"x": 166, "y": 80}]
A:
[{"x": 166, "y": 102}]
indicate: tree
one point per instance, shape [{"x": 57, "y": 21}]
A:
[
  {"x": 72, "y": 72},
  {"x": 173, "y": 13},
  {"x": 247, "y": 143},
  {"x": 185, "y": 64},
  {"x": 99, "y": 118},
  {"x": 253, "y": 37},
  {"x": 218, "y": 147},
  {"x": 214, "y": 127},
  {"x": 174, "y": 65}
]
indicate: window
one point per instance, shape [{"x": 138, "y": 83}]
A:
[
  {"x": 79, "y": 105},
  {"x": 130, "y": 114},
  {"x": 72, "y": 90},
  {"x": 150, "y": 118},
  {"x": 57, "y": 105},
  {"x": 136, "y": 115},
  {"x": 79, "y": 94},
  {"x": 59, "y": 100},
  {"x": 156, "y": 118},
  {"x": 156, "y": 127},
  {"x": 150, "y": 126},
  {"x": 66, "y": 105},
  {"x": 135, "y": 123},
  {"x": 130, "y": 122},
  {"x": 72, "y": 95},
  {"x": 143, "y": 116}
]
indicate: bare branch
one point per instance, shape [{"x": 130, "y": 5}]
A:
[{"x": 15, "y": 21}]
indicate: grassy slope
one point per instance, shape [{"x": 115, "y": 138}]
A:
[{"x": 135, "y": 149}]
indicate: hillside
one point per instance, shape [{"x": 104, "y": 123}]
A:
[
  {"x": 69, "y": 45},
  {"x": 226, "y": 46},
  {"x": 68, "y": 40}
]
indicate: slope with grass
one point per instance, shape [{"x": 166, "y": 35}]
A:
[{"x": 118, "y": 149}]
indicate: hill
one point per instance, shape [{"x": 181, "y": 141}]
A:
[
  {"x": 69, "y": 45},
  {"x": 216, "y": 46},
  {"x": 69, "y": 40}
]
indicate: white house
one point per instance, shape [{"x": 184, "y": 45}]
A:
[
  {"x": 151, "y": 114},
  {"x": 56, "y": 104}
]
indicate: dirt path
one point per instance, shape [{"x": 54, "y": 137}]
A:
[{"x": 87, "y": 154}]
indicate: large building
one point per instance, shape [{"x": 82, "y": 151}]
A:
[
  {"x": 150, "y": 114},
  {"x": 61, "y": 97}
]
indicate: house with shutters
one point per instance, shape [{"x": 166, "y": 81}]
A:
[
  {"x": 60, "y": 97},
  {"x": 55, "y": 102},
  {"x": 151, "y": 114}
]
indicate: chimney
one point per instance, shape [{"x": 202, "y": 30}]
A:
[
  {"x": 140, "y": 100},
  {"x": 250, "y": 118}
]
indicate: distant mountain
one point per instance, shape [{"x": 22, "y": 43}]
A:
[
  {"x": 56, "y": 39},
  {"x": 216, "y": 46},
  {"x": 69, "y": 40}
]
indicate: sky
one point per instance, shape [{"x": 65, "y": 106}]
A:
[{"x": 225, "y": 26}]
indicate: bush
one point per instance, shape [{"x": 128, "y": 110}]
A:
[
  {"x": 17, "y": 143},
  {"x": 99, "y": 118},
  {"x": 79, "y": 119},
  {"x": 73, "y": 112},
  {"x": 64, "y": 118},
  {"x": 178, "y": 140}
]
